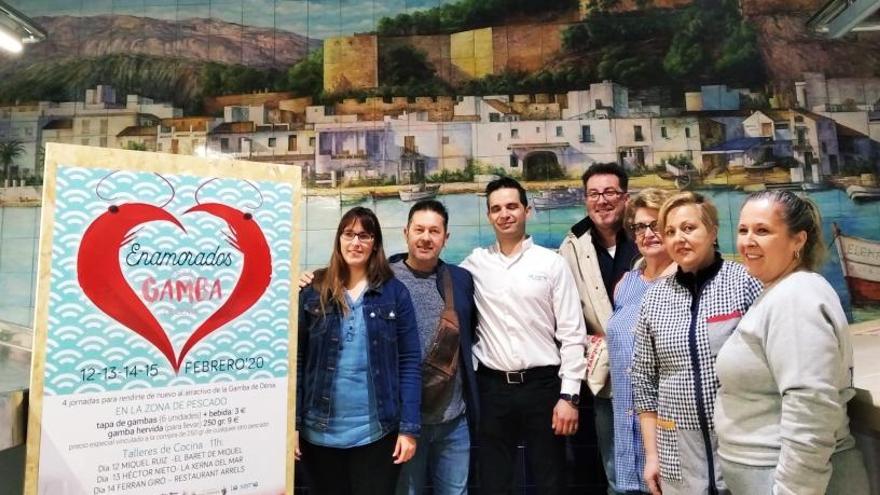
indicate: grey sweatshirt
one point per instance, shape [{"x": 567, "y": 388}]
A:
[{"x": 786, "y": 376}]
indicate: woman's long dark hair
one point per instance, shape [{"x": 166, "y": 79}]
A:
[{"x": 330, "y": 282}]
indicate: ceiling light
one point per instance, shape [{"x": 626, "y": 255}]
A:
[
  {"x": 9, "y": 42},
  {"x": 17, "y": 29}
]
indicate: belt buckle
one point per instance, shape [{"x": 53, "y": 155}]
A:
[{"x": 515, "y": 377}]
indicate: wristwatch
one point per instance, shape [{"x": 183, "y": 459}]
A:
[{"x": 574, "y": 399}]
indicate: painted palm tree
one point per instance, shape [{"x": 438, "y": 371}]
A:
[{"x": 9, "y": 151}]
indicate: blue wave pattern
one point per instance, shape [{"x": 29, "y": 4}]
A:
[{"x": 89, "y": 352}]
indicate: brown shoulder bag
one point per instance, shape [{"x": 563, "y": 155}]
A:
[{"x": 441, "y": 359}]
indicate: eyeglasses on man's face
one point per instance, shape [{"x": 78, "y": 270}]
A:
[
  {"x": 640, "y": 229},
  {"x": 609, "y": 195},
  {"x": 364, "y": 237}
]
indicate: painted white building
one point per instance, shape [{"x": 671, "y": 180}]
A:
[
  {"x": 852, "y": 102},
  {"x": 356, "y": 150},
  {"x": 491, "y": 108},
  {"x": 426, "y": 148},
  {"x": 138, "y": 137},
  {"x": 245, "y": 113},
  {"x": 605, "y": 98},
  {"x": 574, "y": 144},
  {"x": 251, "y": 132},
  {"x": 185, "y": 135},
  {"x": 715, "y": 97},
  {"x": 23, "y": 124},
  {"x": 675, "y": 136},
  {"x": 97, "y": 120},
  {"x": 634, "y": 142},
  {"x": 810, "y": 139},
  {"x": 320, "y": 114},
  {"x": 819, "y": 94}
]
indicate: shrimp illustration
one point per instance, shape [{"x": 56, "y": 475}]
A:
[
  {"x": 100, "y": 275},
  {"x": 256, "y": 272}
]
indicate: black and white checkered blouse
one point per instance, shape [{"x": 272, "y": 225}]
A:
[{"x": 663, "y": 374}]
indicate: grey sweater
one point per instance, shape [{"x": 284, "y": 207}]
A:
[
  {"x": 429, "y": 305},
  {"x": 786, "y": 376}
]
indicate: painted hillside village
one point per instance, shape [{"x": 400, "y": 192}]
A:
[
  {"x": 381, "y": 145},
  {"x": 810, "y": 119}
]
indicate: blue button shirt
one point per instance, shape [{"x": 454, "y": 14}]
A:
[{"x": 353, "y": 420}]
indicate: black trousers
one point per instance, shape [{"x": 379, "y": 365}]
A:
[
  {"x": 365, "y": 470},
  {"x": 510, "y": 413}
]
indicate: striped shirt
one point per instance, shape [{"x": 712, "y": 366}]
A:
[{"x": 629, "y": 455}]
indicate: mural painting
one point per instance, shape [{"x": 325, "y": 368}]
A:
[{"x": 386, "y": 102}]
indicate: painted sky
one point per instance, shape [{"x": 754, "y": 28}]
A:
[{"x": 312, "y": 18}]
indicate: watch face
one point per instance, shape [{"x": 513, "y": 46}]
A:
[{"x": 575, "y": 400}]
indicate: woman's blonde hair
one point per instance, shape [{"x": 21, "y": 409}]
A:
[{"x": 708, "y": 212}]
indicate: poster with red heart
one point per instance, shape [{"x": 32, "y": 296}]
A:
[{"x": 162, "y": 359}]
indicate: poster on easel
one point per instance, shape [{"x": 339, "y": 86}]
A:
[{"x": 162, "y": 362}]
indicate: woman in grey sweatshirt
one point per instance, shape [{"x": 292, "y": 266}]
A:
[{"x": 786, "y": 373}]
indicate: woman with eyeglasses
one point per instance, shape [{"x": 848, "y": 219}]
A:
[
  {"x": 683, "y": 322},
  {"x": 358, "y": 375},
  {"x": 786, "y": 374},
  {"x": 655, "y": 264}
]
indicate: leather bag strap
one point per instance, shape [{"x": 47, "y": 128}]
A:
[{"x": 448, "y": 296}]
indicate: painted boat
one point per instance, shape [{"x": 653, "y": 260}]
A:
[
  {"x": 759, "y": 166},
  {"x": 684, "y": 177},
  {"x": 860, "y": 261},
  {"x": 352, "y": 199},
  {"x": 485, "y": 178},
  {"x": 557, "y": 198},
  {"x": 796, "y": 186},
  {"x": 418, "y": 192},
  {"x": 813, "y": 186},
  {"x": 750, "y": 188},
  {"x": 863, "y": 194}
]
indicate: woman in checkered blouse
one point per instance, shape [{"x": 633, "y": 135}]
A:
[{"x": 683, "y": 322}]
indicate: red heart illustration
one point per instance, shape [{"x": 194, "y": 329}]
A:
[
  {"x": 256, "y": 271},
  {"x": 108, "y": 289}
]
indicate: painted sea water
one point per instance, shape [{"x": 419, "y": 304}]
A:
[{"x": 469, "y": 228}]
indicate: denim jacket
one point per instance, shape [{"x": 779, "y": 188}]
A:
[{"x": 394, "y": 357}]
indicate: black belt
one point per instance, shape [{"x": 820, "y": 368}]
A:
[{"x": 519, "y": 377}]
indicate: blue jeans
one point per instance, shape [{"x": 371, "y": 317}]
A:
[
  {"x": 604, "y": 413},
  {"x": 444, "y": 451}
]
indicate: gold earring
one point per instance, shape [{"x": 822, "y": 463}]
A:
[{"x": 797, "y": 254}]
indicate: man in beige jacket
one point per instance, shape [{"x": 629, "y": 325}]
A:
[{"x": 599, "y": 252}]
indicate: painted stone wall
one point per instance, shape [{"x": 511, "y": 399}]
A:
[
  {"x": 472, "y": 53},
  {"x": 351, "y": 62}
]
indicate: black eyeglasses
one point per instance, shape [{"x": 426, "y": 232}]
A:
[
  {"x": 608, "y": 194},
  {"x": 639, "y": 229},
  {"x": 364, "y": 237}
]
